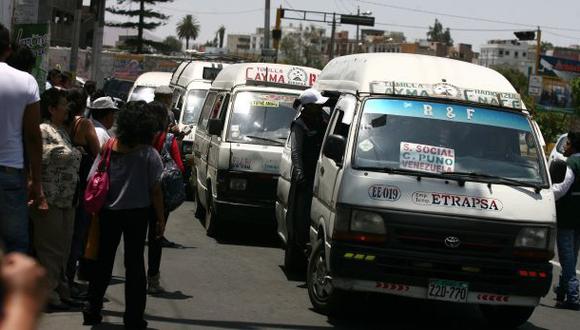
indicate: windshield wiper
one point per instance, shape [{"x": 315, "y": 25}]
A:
[
  {"x": 392, "y": 170},
  {"x": 265, "y": 139},
  {"x": 498, "y": 179}
]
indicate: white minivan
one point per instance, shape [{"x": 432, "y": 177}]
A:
[
  {"x": 240, "y": 135},
  {"x": 431, "y": 184},
  {"x": 190, "y": 82},
  {"x": 144, "y": 87}
]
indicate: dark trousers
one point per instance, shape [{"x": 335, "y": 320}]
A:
[
  {"x": 154, "y": 248},
  {"x": 300, "y": 201},
  {"x": 79, "y": 240},
  {"x": 132, "y": 225}
]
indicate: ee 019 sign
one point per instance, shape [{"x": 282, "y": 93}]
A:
[{"x": 381, "y": 192}]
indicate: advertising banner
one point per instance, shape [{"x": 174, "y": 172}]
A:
[
  {"x": 556, "y": 93},
  {"x": 35, "y": 37},
  {"x": 26, "y": 11}
]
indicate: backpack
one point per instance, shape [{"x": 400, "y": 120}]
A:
[
  {"x": 171, "y": 178},
  {"x": 95, "y": 194}
]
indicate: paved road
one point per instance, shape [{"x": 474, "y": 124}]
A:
[{"x": 237, "y": 283}]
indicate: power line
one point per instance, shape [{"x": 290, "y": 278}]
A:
[
  {"x": 450, "y": 28},
  {"x": 181, "y": 10},
  {"x": 462, "y": 16},
  {"x": 288, "y": 4},
  {"x": 561, "y": 35}
]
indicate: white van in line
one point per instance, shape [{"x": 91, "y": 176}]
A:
[
  {"x": 144, "y": 87},
  {"x": 431, "y": 184},
  {"x": 190, "y": 82},
  {"x": 239, "y": 138}
]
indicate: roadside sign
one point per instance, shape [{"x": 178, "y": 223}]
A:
[{"x": 535, "y": 85}]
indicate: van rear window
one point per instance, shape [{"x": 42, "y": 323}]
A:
[{"x": 210, "y": 73}]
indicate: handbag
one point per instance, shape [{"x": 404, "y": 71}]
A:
[{"x": 98, "y": 186}]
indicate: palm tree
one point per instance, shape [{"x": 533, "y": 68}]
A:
[
  {"x": 187, "y": 29},
  {"x": 221, "y": 32}
]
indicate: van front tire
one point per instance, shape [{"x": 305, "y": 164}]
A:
[
  {"x": 212, "y": 223},
  {"x": 506, "y": 317},
  {"x": 325, "y": 298}
]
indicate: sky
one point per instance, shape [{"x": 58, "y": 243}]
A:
[{"x": 492, "y": 19}]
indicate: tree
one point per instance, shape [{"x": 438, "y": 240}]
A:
[
  {"x": 187, "y": 29},
  {"x": 436, "y": 33},
  {"x": 303, "y": 48},
  {"x": 544, "y": 46},
  {"x": 552, "y": 124},
  {"x": 173, "y": 45},
  {"x": 221, "y": 32},
  {"x": 148, "y": 19}
]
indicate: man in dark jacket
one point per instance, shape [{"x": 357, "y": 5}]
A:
[
  {"x": 567, "y": 194},
  {"x": 307, "y": 134}
]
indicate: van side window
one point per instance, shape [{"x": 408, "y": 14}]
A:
[
  {"x": 225, "y": 104},
  {"x": 217, "y": 106},
  {"x": 205, "y": 112}
]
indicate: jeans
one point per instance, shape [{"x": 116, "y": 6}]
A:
[
  {"x": 568, "y": 246},
  {"x": 132, "y": 225},
  {"x": 14, "y": 211}
]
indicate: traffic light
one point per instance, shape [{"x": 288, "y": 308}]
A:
[{"x": 525, "y": 35}]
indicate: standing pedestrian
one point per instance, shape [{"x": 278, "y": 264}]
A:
[
  {"x": 135, "y": 174},
  {"x": 307, "y": 133},
  {"x": 155, "y": 243},
  {"x": 53, "y": 79},
  {"x": 103, "y": 112},
  {"x": 19, "y": 135},
  {"x": 84, "y": 138},
  {"x": 53, "y": 228},
  {"x": 567, "y": 194}
]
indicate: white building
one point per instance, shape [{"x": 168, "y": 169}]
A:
[{"x": 517, "y": 54}]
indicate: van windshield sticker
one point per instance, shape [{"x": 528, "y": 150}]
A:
[
  {"x": 439, "y": 199},
  {"x": 448, "y": 91},
  {"x": 448, "y": 112},
  {"x": 426, "y": 158},
  {"x": 366, "y": 145},
  {"x": 267, "y": 104}
]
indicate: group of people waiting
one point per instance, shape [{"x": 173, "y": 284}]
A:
[{"x": 50, "y": 149}]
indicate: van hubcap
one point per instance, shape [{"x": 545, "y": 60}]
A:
[{"x": 321, "y": 278}]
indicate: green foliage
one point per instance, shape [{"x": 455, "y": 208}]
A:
[
  {"x": 437, "y": 33},
  {"x": 575, "y": 86},
  {"x": 173, "y": 45},
  {"x": 552, "y": 124},
  {"x": 544, "y": 46},
  {"x": 302, "y": 48},
  {"x": 148, "y": 19},
  {"x": 188, "y": 28}
]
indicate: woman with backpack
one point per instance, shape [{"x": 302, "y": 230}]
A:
[
  {"x": 166, "y": 144},
  {"x": 133, "y": 170}
]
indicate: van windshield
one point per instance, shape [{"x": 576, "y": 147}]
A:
[
  {"x": 261, "y": 118},
  {"x": 143, "y": 93},
  {"x": 193, "y": 105},
  {"x": 437, "y": 138}
]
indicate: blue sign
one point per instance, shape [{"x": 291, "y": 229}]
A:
[{"x": 448, "y": 112}]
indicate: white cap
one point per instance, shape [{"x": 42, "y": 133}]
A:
[
  {"x": 104, "y": 103},
  {"x": 163, "y": 90},
  {"x": 311, "y": 95}
]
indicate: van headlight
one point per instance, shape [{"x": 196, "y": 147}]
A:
[
  {"x": 533, "y": 237},
  {"x": 367, "y": 222},
  {"x": 238, "y": 184}
]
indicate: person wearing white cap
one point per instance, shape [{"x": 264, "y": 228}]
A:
[
  {"x": 103, "y": 113},
  {"x": 307, "y": 133}
]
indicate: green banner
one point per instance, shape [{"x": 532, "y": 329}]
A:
[{"x": 35, "y": 37}]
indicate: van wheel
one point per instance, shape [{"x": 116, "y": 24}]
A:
[
  {"x": 211, "y": 219},
  {"x": 199, "y": 210},
  {"x": 506, "y": 316},
  {"x": 325, "y": 298},
  {"x": 295, "y": 261}
]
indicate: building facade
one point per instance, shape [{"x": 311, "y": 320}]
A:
[{"x": 512, "y": 53}]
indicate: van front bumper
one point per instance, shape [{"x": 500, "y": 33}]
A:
[
  {"x": 407, "y": 273},
  {"x": 245, "y": 211}
]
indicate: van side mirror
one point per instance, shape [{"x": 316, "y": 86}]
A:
[
  {"x": 215, "y": 126},
  {"x": 334, "y": 148}
]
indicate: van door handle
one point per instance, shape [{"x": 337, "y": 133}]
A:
[{"x": 322, "y": 171}]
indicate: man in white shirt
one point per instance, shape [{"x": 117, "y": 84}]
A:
[
  {"x": 19, "y": 134},
  {"x": 103, "y": 112}
]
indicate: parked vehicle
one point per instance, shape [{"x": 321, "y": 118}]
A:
[
  {"x": 190, "y": 82},
  {"x": 144, "y": 87},
  {"x": 431, "y": 184},
  {"x": 244, "y": 123},
  {"x": 118, "y": 88}
]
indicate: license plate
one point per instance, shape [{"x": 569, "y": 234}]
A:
[{"x": 448, "y": 290}]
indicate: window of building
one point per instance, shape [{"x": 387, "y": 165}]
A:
[
  {"x": 507, "y": 53},
  {"x": 501, "y": 52},
  {"x": 516, "y": 54},
  {"x": 524, "y": 54}
]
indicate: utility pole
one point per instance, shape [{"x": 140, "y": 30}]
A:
[
  {"x": 357, "y": 26},
  {"x": 97, "y": 74},
  {"x": 267, "y": 25},
  {"x": 332, "y": 33},
  {"x": 74, "y": 49},
  {"x": 538, "y": 49},
  {"x": 140, "y": 28}
]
